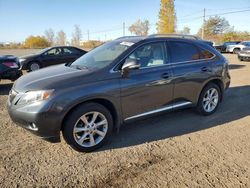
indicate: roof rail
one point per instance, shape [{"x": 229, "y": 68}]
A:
[
  {"x": 127, "y": 37},
  {"x": 174, "y": 35}
]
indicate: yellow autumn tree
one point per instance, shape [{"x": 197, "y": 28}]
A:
[
  {"x": 36, "y": 42},
  {"x": 167, "y": 17}
]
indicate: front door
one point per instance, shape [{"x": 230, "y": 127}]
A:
[
  {"x": 52, "y": 57},
  {"x": 149, "y": 88}
]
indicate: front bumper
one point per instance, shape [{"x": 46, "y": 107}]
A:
[
  {"x": 244, "y": 56},
  {"x": 37, "y": 118}
]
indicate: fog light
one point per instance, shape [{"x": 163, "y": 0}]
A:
[{"x": 33, "y": 127}]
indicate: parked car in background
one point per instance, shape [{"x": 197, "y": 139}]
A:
[
  {"x": 237, "y": 47},
  {"x": 50, "y": 56},
  {"x": 117, "y": 82},
  {"x": 9, "y": 68},
  {"x": 244, "y": 54},
  {"x": 223, "y": 48}
]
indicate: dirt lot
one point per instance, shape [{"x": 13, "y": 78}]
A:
[
  {"x": 180, "y": 149},
  {"x": 18, "y": 52}
]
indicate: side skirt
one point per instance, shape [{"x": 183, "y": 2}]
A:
[{"x": 166, "y": 108}]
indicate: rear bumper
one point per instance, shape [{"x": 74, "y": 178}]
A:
[{"x": 11, "y": 74}]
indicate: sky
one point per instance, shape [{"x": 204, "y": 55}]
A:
[{"x": 104, "y": 18}]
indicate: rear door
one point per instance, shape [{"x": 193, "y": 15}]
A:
[
  {"x": 70, "y": 54},
  {"x": 192, "y": 66},
  {"x": 149, "y": 88}
]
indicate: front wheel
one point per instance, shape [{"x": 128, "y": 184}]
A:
[
  {"x": 88, "y": 127},
  {"x": 209, "y": 99},
  {"x": 236, "y": 51}
]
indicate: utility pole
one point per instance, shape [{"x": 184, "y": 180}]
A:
[
  {"x": 124, "y": 29},
  {"x": 88, "y": 34},
  {"x": 203, "y": 26}
]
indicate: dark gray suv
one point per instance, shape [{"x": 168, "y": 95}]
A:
[{"x": 119, "y": 81}]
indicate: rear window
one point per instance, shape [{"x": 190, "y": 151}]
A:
[{"x": 182, "y": 52}]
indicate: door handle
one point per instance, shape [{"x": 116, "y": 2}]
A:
[
  {"x": 205, "y": 69},
  {"x": 165, "y": 75}
]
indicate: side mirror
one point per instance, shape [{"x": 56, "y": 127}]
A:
[{"x": 130, "y": 64}]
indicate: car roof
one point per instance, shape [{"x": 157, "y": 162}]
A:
[{"x": 156, "y": 37}]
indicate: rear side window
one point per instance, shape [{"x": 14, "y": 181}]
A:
[
  {"x": 204, "y": 54},
  {"x": 71, "y": 51},
  {"x": 182, "y": 51}
]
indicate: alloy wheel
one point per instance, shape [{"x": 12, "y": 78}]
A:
[
  {"x": 34, "y": 67},
  {"x": 90, "y": 129},
  {"x": 210, "y": 100}
]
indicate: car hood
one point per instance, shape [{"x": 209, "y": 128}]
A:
[{"x": 53, "y": 77}]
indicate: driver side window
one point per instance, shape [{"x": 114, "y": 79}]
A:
[
  {"x": 54, "y": 51},
  {"x": 149, "y": 55}
]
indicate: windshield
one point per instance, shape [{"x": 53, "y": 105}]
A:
[
  {"x": 43, "y": 50},
  {"x": 101, "y": 56},
  {"x": 230, "y": 43}
]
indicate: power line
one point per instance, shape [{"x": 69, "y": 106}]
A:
[
  {"x": 123, "y": 27},
  {"x": 218, "y": 14},
  {"x": 232, "y": 12}
]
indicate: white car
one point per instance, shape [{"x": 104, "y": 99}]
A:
[{"x": 238, "y": 47}]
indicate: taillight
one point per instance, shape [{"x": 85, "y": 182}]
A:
[{"x": 10, "y": 64}]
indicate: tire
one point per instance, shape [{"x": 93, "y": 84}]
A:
[
  {"x": 207, "y": 100},
  {"x": 236, "y": 50},
  {"x": 33, "y": 66},
  {"x": 80, "y": 127}
]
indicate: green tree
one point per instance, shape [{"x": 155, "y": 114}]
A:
[
  {"x": 215, "y": 26},
  {"x": 167, "y": 17},
  {"x": 36, "y": 42},
  {"x": 140, "y": 27}
]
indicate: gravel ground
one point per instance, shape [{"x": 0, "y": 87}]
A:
[{"x": 180, "y": 149}]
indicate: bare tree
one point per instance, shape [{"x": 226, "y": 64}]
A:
[
  {"x": 61, "y": 38},
  {"x": 50, "y": 36},
  {"x": 185, "y": 30},
  {"x": 140, "y": 28},
  {"x": 76, "y": 36}
]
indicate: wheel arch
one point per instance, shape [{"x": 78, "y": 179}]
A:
[
  {"x": 219, "y": 83},
  {"x": 105, "y": 102},
  {"x": 236, "y": 48}
]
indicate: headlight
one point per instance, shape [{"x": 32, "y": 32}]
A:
[
  {"x": 22, "y": 60},
  {"x": 34, "y": 96}
]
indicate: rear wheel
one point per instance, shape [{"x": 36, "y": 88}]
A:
[
  {"x": 33, "y": 66},
  {"x": 88, "y": 127},
  {"x": 209, "y": 99}
]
